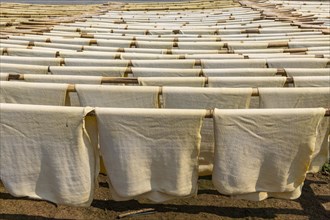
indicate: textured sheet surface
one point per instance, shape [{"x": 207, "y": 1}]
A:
[
  {"x": 206, "y": 98},
  {"x": 48, "y": 153},
  {"x": 150, "y": 153},
  {"x": 118, "y": 96},
  {"x": 33, "y": 93},
  {"x": 303, "y": 98},
  {"x": 263, "y": 153}
]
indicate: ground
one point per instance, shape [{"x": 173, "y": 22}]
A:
[{"x": 209, "y": 204}]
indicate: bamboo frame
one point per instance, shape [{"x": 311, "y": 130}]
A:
[
  {"x": 223, "y": 46},
  {"x": 279, "y": 72},
  {"x": 197, "y": 62},
  {"x": 164, "y": 51},
  {"x": 132, "y": 80}
]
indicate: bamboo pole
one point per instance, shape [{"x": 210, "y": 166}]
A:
[{"x": 210, "y": 113}]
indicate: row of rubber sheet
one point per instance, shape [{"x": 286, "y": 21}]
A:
[{"x": 164, "y": 97}]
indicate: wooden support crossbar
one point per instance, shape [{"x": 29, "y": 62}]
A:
[{"x": 210, "y": 113}]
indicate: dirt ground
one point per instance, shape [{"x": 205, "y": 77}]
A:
[
  {"x": 76, "y": 2},
  {"x": 209, "y": 204}
]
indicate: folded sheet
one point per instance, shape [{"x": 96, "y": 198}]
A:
[
  {"x": 118, "y": 96},
  {"x": 147, "y": 56},
  {"x": 206, "y": 55},
  {"x": 46, "y": 46},
  {"x": 134, "y": 50},
  {"x": 236, "y": 63},
  {"x": 307, "y": 44},
  {"x": 297, "y": 63},
  {"x": 172, "y": 81},
  {"x": 182, "y": 64},
  {"x": 73, "y": 41},
  {"x": 245, "y": 46},
  {"x": 154, "y": 44},
  {"x": 15, "y": 42},
  {"x": 206, "y": 98},
  {"x": 71, "y": 79},
  {"x": 150, "y": 153},
  {"x": 189, "y": 52},
  {"x": 164, "y": 72},
  {"x": 292, "y": 72},
  {"x": 258, "y": 51},
  {"x": 241, "y": 72},
  {"x": 40, "y": 61},
  {"x": 309, "y": 97},
  {"x": 48, "y": 153},
  {"x": 311, "y": 81},
  {"x": 97, "y": 63},
  {"x": 198, "y": 31},
  {"x": 5, "y": 45},
  {"x": 200, "y": 45},
  {"x": 277, "y": 30},
  {"x": 277, "y": 151},
  {"x": 88, "y": 71},
  {"x": 303, "y": 98},
  {"x": 21, "y": 68},
  {"x": 114, "y": 43},
  {"x": 159, "y": 32},
  {"x": 30, "y": 53},
  {"x": 33, "y": 93},
  {"x": 239, "y": 82},
  {"x": 88, "y": 54},
  {"x": 276, "y": 55}
]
